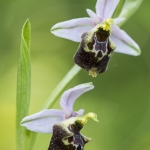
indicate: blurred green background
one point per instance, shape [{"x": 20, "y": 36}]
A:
[{"x": 121, "y": 97}]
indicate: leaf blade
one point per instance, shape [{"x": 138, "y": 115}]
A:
[{"x": 23, "y": 83}]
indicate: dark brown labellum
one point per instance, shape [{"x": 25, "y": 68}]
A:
[
  {"x": 94, "y": 51},
  {"x": 67, "y": 138}
]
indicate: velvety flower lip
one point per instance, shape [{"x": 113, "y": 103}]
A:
[
  {"x": 96, "y": 49},
  {"x": 44, "y": 120},
  {"x": 66, "y": 135},
  {"x": 74, "y": 29}
]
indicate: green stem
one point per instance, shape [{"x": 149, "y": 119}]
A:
[{"x": 57, "y": 92}]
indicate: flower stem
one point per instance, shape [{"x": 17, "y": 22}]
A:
[{"x": 61, "y": 86}]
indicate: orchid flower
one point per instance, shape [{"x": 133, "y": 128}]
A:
[
  {"x": 74, "y": 29},
  {"x": 44, "y": 120},
  {"x": 99, "y": 35}
]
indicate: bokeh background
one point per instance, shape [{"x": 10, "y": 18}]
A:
[{"x": 121, "y": 97}]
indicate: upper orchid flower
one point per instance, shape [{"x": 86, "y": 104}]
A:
[
  {"x": 98, "y": 36},
  {"x": 44, "y": 120},
  {"x": 74, "y": 29}
]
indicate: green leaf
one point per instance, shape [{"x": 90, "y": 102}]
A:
[
  {"x": 23, "y": 84},
  {"x": 126, "y": 8}
]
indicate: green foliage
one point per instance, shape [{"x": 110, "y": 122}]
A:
[
  {"x": 126, "y": 8},
  {"x": 23, "y": 84}
]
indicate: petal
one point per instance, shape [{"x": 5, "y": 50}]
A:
[
  {"x": 100, "y": 5},
  {"x": 79, "y": 112},
  {"x": 110, "y": 7},
  {"x": 118, "y": 20},
  {"x": 106, "y": 8},
  {"x": 93, "y": 16},
  {"x": 124, "y": 43},
  {"x": 43, "y": 121},
  {"x": 69, "y": 97},
  {"x": 72, "y": 29},
  {"x": 68, "y": 111}
]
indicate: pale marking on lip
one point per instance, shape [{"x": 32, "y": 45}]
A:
[{"x": 97, "y": 51}]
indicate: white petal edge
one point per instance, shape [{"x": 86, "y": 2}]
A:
[
  {"x": 122, "y": 47},
  {"x": 118, "y": 20},
  {"x": 67, "y": 111},
  {"x": 110, "y": 6},
  {"x": 72, "y": 29},
  {"x": 93, "y": 16},
  {"x": 80, "y": 112},
  {"x": 124, "y": 43},
  {"x": 69, "y": 96},
  {"x": 43, "y": 121},
  {"x": 100, "y": 5}
]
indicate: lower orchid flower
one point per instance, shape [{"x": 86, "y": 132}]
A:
[
  {"x": 65, "y": 124},
  {"x": 97, "y": 35}
]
